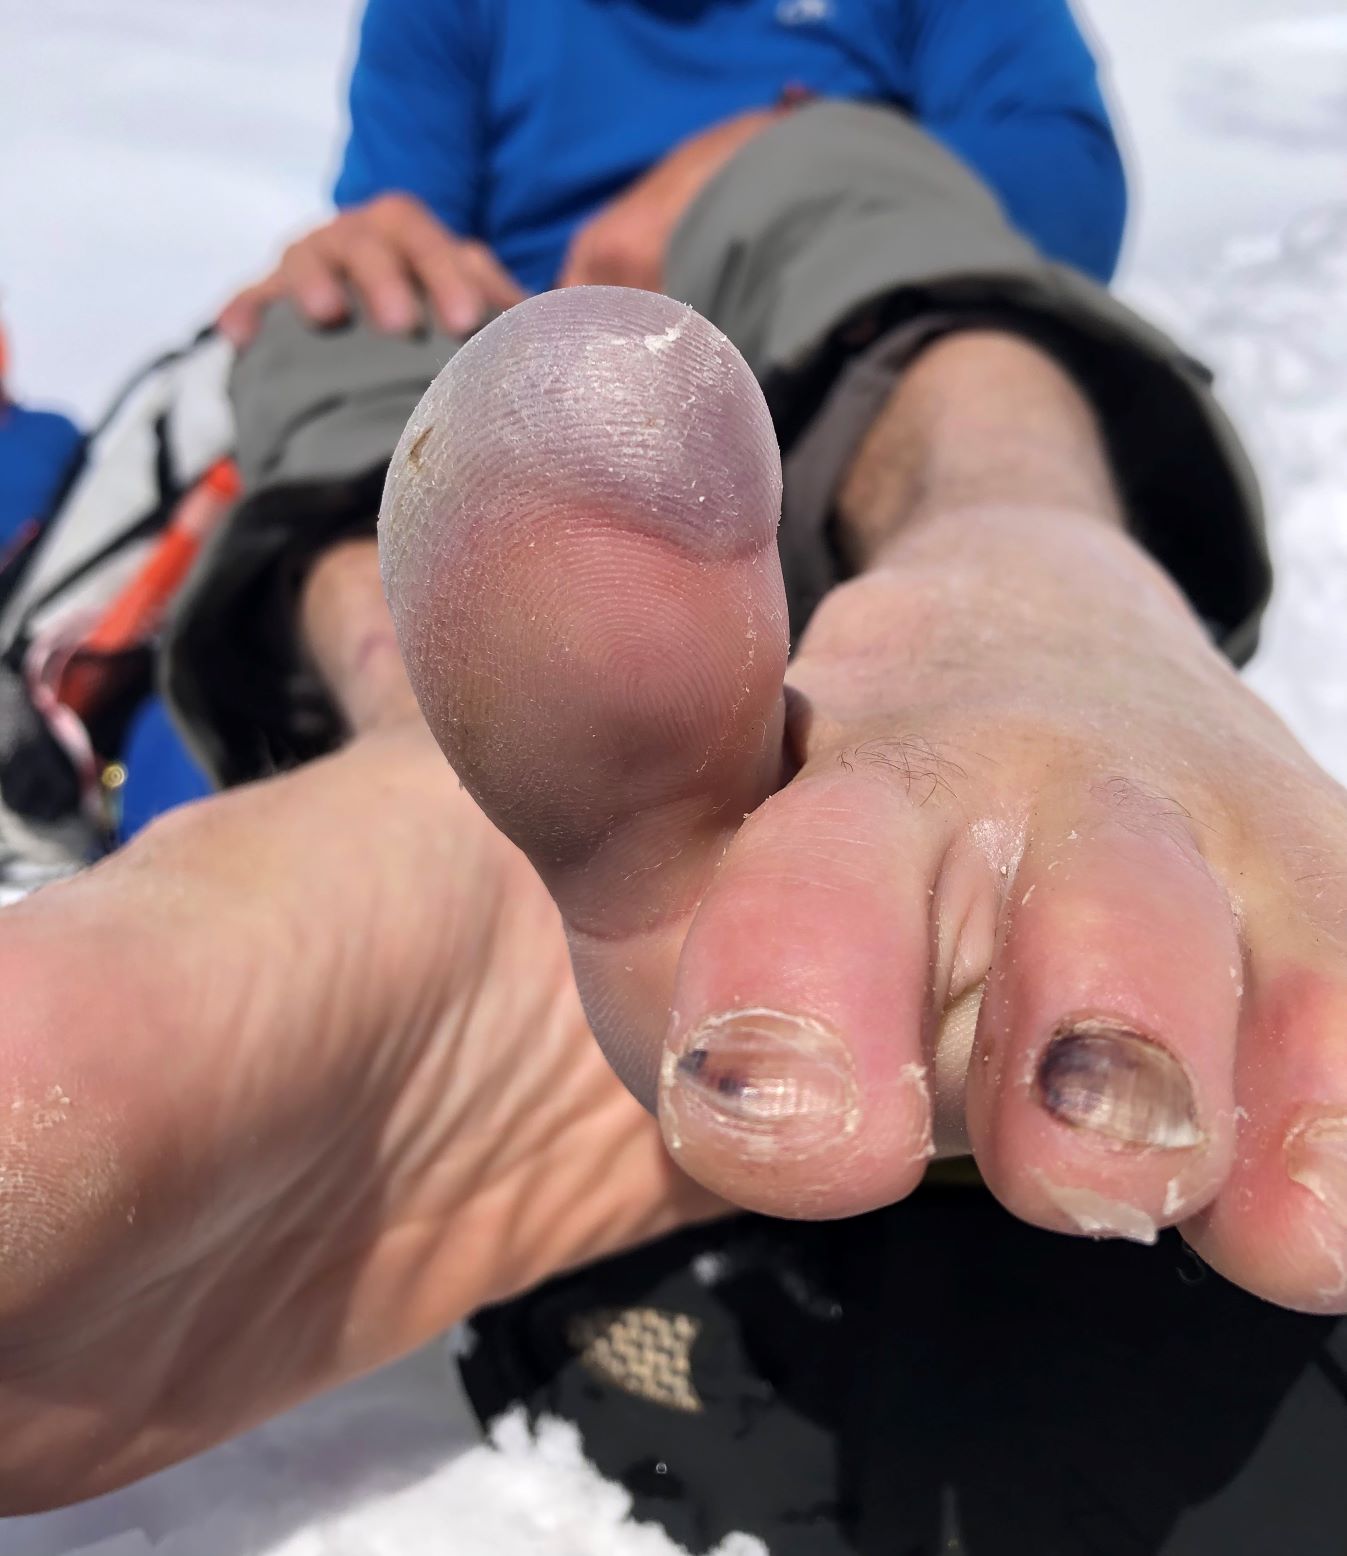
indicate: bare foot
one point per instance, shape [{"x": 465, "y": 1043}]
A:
[
  {"x": 1024, "y": 864},
  {"x": 290, "y": 1085}
]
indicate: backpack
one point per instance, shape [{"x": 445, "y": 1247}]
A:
[{"x": 84, "y": 594}]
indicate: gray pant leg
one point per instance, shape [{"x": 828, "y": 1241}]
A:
[
  {"x": 822, "y": 248},
  {"x": 318, "y": 413}
]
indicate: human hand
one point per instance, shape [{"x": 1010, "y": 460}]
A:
[
  {"x": 293, "y": 1083},
  {"x": 394, "y": 253},
  {"x": 626, "y": 242}
]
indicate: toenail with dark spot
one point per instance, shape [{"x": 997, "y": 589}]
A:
[
  {"x": 763, "y": 1073},
  {"x": 1118, "y": 1084},
  {"x": 1316, "y": 1159}
]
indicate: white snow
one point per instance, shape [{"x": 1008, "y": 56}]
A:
[
  {"x": 157, "y": 152},
  {"x": 156, "y": 155},
  {"x": 386, "y": 1467},
  {"x": 1237, "y": 119}
]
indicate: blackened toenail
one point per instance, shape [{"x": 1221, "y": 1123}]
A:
[
  {"x": 761, "y": 1071},
  {"x": 1317, "y": 1161},
  {"x": 701, "y": 1069},
  {"x": 1119, "y": 1084}
]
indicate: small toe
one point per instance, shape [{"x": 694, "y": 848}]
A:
[
  {"x": 795, "y": 1077},
  {"x": 1279, "y": 1226},
  {"x": 1100, "y": 1093}
]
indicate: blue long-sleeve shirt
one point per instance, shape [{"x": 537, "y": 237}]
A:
[
  {"x": 37, "y": 450},
  {"x": 514, "y": 120}
]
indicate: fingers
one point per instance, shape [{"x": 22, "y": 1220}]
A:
[
  {"x": 312, "y": 278},
  {"x": 497, "y": 286},
  {"x": 613, "y": 251},
  {"x": 388, "y": 253},
  {"x": 383, "y": 281},
  {"x": 464, "y": 280},
  {"x": 241, "y": 317},
  {"x": 576, "y": 269},
  {"x": 464, "y": 284},
  {"x": 583, "y": 268}
]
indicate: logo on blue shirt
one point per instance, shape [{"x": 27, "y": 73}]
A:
[{"x": 803, "y": 13}]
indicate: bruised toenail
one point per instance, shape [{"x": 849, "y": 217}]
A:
[
  {"x": 1316, "y": 1159},
  {"x": 763, "y": 1077},
  {"x": 1118, "y": 1084}
]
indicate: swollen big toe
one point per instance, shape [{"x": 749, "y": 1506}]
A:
[{"x": 578, "y": 540}]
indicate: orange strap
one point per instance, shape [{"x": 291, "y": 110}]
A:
[{"x": 137, "y": 612}]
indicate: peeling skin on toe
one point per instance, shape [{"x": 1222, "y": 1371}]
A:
[
  {"x": 1316, "y": 1159},
  {"x": 1332, "y": 1294},
  {"x": 1000, "y": 843},
  {"x": 1184, "y": 1196},
  {"x": 1098, "y": 1216},
  {"x": 914, "y": 1076},
  {"x": 44, "y": 1112},
  {"x": 1173, "y": 1201},
  {"x": 665, "y": 338}
]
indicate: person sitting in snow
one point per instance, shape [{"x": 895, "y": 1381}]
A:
[{"x": 933, "y": 823}]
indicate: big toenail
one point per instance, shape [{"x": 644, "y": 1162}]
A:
[
  {"x": 1118, "y": 1084},
  {"x": 1316, "y": 1159},
  {"x": 765, "y": 1076}
]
